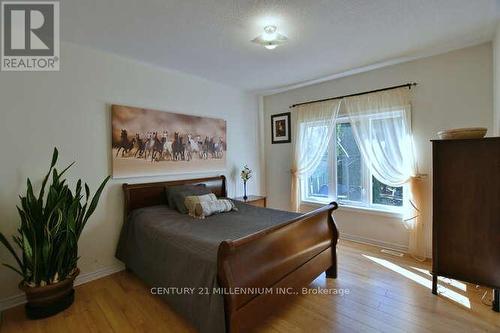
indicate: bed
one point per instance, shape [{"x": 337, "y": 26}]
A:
[{"x": 227, "y": 271}]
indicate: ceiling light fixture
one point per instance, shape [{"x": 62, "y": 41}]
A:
[{"x": 270, "y": 39}]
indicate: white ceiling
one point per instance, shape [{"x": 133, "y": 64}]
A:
[{"x": 211, "y": 38}]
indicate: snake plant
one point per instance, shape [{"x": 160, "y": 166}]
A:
[{"x": 50, "y": 227}]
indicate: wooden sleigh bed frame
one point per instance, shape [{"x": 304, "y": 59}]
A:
[{"x": 282, "y": 258}]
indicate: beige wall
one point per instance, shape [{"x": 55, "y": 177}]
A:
[
  {"x": 454, "y": 90},
  {"x": 70, "y": 109}
]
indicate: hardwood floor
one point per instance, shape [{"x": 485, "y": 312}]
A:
[{"x": 386, "y": 294}]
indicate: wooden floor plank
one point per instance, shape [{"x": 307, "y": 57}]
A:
[{"x": 386, "y": 294}]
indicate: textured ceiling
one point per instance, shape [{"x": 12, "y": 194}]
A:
[{"x": 211, "y": 38}]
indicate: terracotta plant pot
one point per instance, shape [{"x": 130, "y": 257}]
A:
[{"x": 48, "y": 300}]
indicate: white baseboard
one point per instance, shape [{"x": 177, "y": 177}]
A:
[
  {"x": 375, "y": 242},
  {"x": 87, "y": 277},
  {"x": 15, "y": 300}
]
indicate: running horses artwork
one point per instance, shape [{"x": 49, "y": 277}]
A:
[{"x": 149, "y": 142}]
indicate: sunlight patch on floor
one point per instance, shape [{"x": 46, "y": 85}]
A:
[
  {"x": 448, "y": 293},
  {"x": 457, "y": 284}
]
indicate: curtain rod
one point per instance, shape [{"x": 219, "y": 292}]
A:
[{"x": 409, "y": 85}]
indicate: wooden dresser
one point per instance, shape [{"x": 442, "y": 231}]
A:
[{"x": 466, "y": 212}]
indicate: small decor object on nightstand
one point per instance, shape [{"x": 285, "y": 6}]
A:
[
  {"x": 281, "y": 128},
  {"x": 246, "y": 174}
]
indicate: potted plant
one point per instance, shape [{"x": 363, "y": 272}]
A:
[
  {"x": 246, "y": 174},
  {"x": 50, "y": 227}
]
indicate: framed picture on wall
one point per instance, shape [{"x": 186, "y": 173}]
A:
[
  {"x": 149, "y": 142},
  {"x": 281, "y": 128}
]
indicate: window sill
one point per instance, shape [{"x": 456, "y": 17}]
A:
[{"x": 357, "y": 209}]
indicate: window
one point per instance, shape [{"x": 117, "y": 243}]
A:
[
  {"x": 342, "y": 174},
  {"x": 318, "y": 181},
  {"x": 350, "y": 166},
  {"x": 386, "y": 195}
]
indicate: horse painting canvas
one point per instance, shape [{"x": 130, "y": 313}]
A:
[{"x": 149, "y": 142}]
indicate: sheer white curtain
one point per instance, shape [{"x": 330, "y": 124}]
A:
[
  {"x": 381, "y": 125},
  {"x": 313, "y": 130}
]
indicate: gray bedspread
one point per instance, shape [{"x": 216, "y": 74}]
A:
[{"x": 168, "y": 249}]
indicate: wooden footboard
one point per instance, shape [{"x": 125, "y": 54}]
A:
[{"x": 260, "y": 271}]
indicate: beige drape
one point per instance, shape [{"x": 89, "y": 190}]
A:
[
  {"x": 417, "y": 221},
  {"x": 313, "y": 130}
]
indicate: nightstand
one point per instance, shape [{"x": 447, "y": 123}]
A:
[{"x": 254, "y": 200}]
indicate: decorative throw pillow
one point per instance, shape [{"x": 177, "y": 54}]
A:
[
  {"x": 177, "y": 194},
  {"x": 207, "y": 208},
  {"x": 191, "y": 201}
]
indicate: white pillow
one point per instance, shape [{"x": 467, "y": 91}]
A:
[
  {"x": 191, "y": 201},
  {"x": 207, "y": 208}
]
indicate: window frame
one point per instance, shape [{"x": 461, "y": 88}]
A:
[{"x": 367, "y": 193}]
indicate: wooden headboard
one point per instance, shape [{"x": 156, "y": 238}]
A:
[{"x": 151, "y": 194}]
